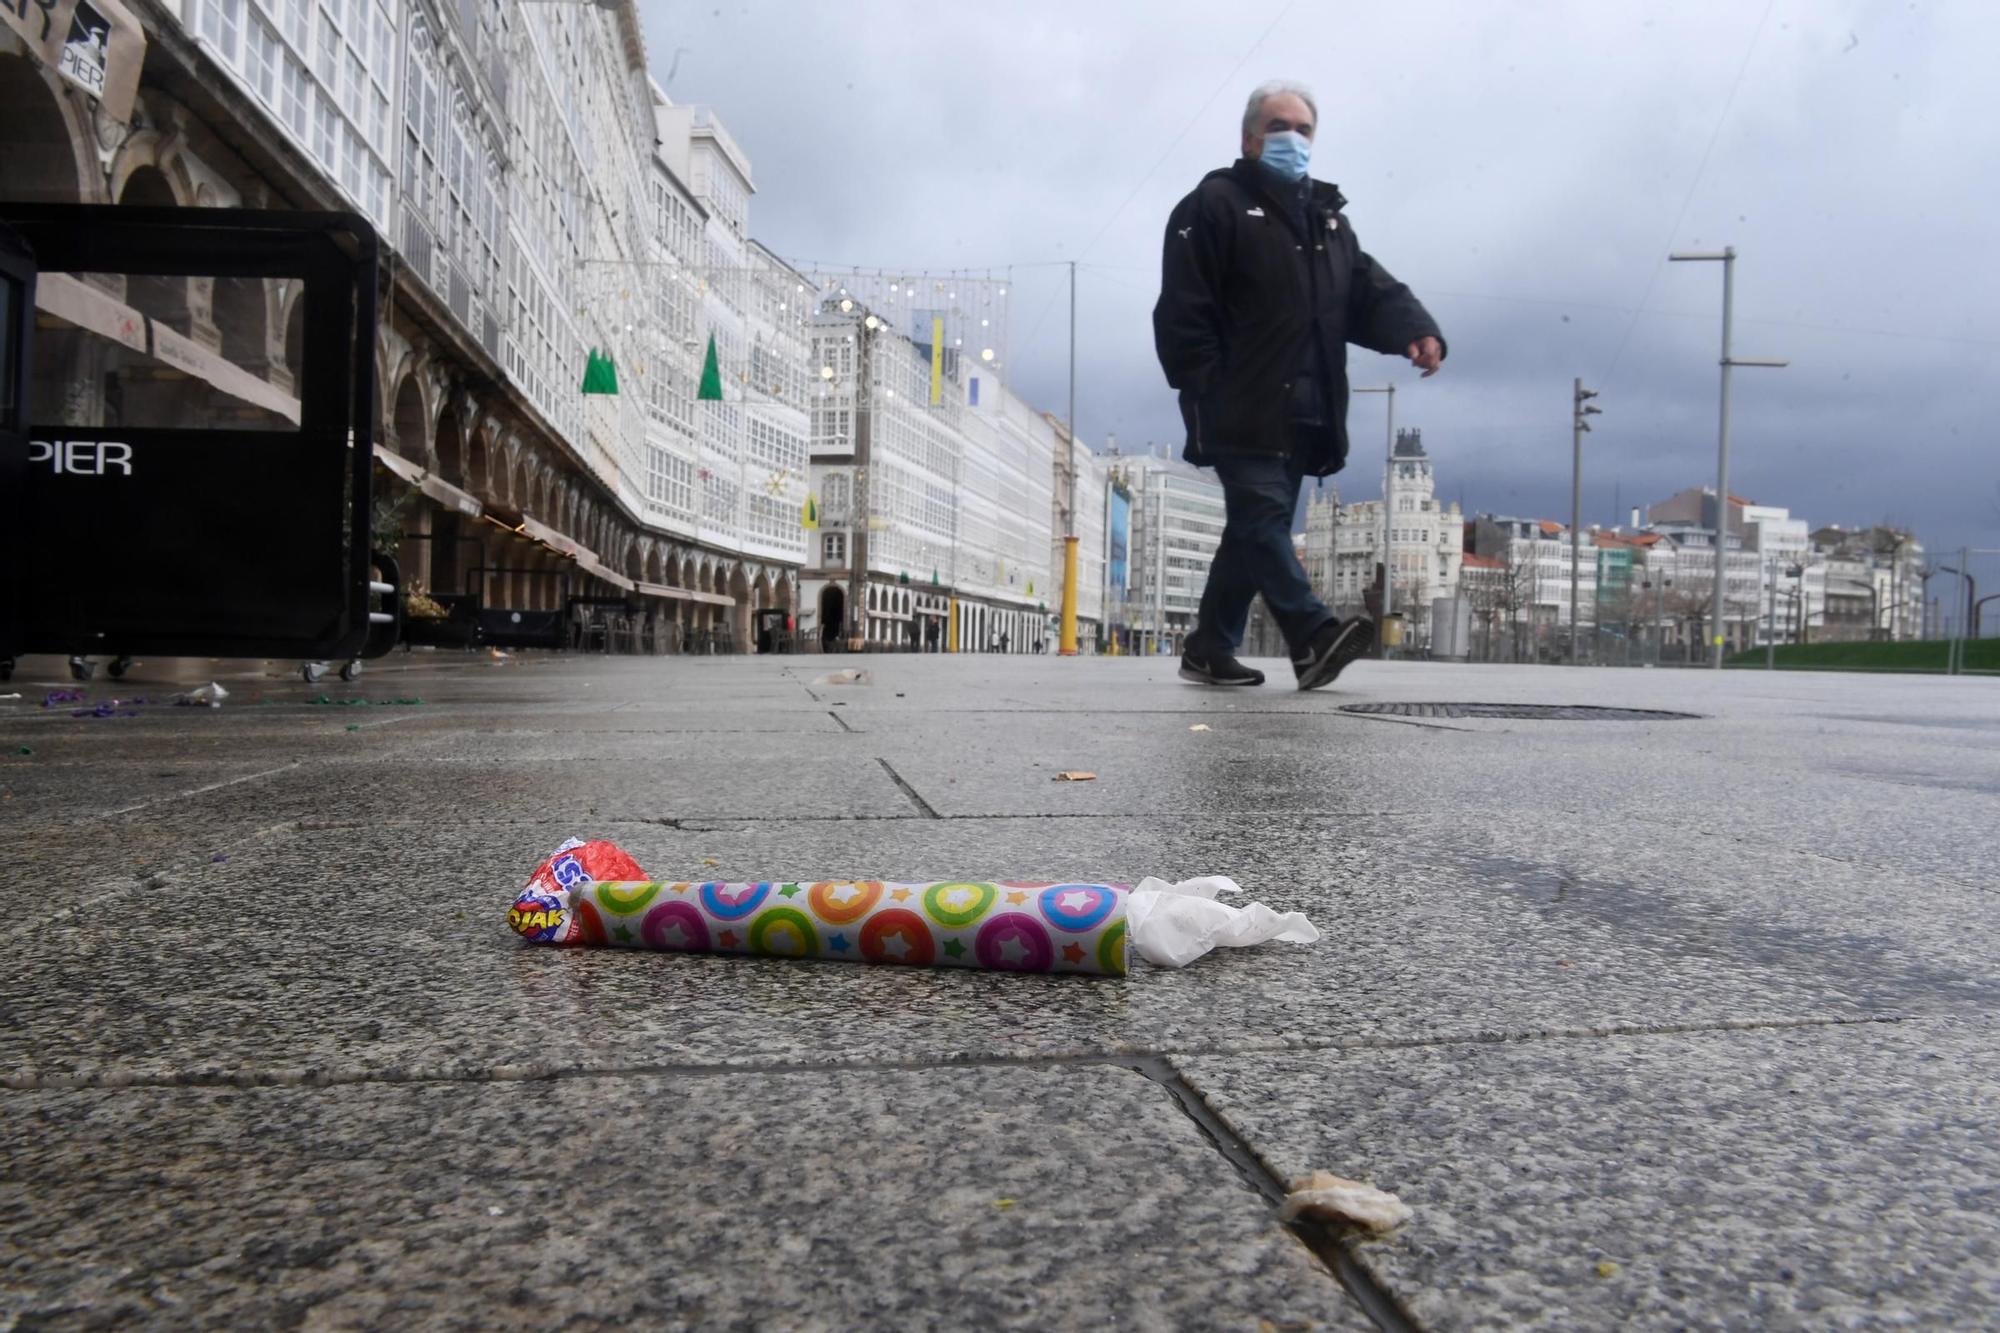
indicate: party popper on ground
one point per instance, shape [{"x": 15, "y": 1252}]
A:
[{"x": 592, "y": 893}]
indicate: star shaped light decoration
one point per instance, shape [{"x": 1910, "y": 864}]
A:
[
  {"x": 838, "y": 944},
  {"x": 1076, "y": 900},
  {"x": 844, "y": 895},
  {"x": 1012, "y": 950},
  {"x": 623, "y": 934},
  {"x": 1017, "y": 897},
  {"x": 727, "y": 939},
  {"x": 1073, "y": 952},
  {"x": 788, "y": 891},
  {"x": 896, "y": 945},
  {"x": 953, "y": 949},
  {"x": 900, "y": 895}
]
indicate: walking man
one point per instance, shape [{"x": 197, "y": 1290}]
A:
[{"x": 1262, "y": 287}]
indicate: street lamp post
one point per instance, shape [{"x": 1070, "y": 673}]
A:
[
  {"x": 1727, "y": 258},
  {"x": 1066, "y": 644},
  {"x": 1771, "y": 616},
  {"x": 1579, "y": 426},
  {"x": 1388, "y": 489},
  {"x": 1969, "y": 600}
]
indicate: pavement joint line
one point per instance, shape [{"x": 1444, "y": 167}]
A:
[
  {"x": 1155, "y": 817},
  {"x": 157, "y": 878},
  {"x": 842, "y": 721},
  {"x": 907, "y": 790},
  {"x": 29, "y": 1080},
  {"x": 1325, "y": 1242},
  {"x": 199, "y": 791}
]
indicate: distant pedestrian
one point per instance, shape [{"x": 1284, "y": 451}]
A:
[
  {"x": 1006, "y": 641},
  {"x": 1262, "y": 287}
]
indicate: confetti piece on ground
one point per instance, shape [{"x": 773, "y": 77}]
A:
[
  {"x": 1074, "y": 775},
  {"x": 1605, "y": 1268},
  {"x": 1201, "y": 726}
]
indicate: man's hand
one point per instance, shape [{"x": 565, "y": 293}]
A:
[{"x": 1427, "y": 354}]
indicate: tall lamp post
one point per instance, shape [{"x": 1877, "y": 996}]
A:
[
  {"x": 1388, "y": 489},
  {"x": 1066, "y": 643},
  {"x": 1579, "y": 426},
  {"x": 1727, "y": 258}
]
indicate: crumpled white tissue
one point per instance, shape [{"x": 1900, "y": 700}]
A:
[{"x": 1171, "y": 925}]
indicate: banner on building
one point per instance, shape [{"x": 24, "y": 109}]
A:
[
  {"x": 937, "y": 361},
  {"x": 1118, "y": 534},
  {"x": 95, "y": 44}
]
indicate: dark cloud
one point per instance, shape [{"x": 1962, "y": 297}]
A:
[{"x": 1525, "y": 168}]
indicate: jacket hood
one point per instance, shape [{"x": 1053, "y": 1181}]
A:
[{"x": 1246, "y": 172}]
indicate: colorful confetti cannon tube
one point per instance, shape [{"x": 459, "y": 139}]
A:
[{"x": 1007, "y": 927}]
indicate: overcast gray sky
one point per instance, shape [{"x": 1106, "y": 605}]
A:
[{"x": 1525, "y": 167}]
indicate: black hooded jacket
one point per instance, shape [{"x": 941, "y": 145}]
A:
[{"x": 1247, "y": 300}]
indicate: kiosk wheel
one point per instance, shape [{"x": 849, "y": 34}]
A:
[{"x": 81, "y": 668}]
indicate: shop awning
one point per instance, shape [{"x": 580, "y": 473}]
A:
[
  {"x": 684, "y": 594},
  {"x": 590, "y": 563},
  {"x": 401, "y": 466},
  {"x": 450, "y": 496},
  {"x": 191, "y": 358},
  {"x": 77, "y": 302},
  {"x": 548, "y": 536}
]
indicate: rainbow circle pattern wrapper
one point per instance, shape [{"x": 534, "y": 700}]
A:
[{"x": 1005, "y": 927}]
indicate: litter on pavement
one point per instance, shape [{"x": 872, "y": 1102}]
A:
[
  {"x": 848, "y": 676},
  {"x": 593, "y": 893},
  {"x": 210, "y": 695},
  {"x": 1334, "y": 1198},
  {"x": 1074, "y": 775}
]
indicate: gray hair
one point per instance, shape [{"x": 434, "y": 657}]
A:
[{"x": 1264, "y": 92}]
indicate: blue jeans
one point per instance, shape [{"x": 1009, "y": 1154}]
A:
[{"x": 1260, "y": 493}]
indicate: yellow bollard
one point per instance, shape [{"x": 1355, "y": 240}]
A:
[{"x": 1068, "y": 648}]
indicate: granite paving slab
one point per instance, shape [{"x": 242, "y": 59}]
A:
[
  {"x": 1064, "y": 1197},
  {"x": 1823, "y": 1177},
  {"x": 386, "y": 952}
]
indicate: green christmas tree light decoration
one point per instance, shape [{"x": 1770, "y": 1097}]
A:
[
  {"x": 711, "y": 376},
  {"x": 600, "y": 374}
]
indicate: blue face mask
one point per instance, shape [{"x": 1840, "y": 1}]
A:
[{"x": 1287, "y": 152}]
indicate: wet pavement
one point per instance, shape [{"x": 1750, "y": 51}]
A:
[{"x": 1654, "y": 1023}]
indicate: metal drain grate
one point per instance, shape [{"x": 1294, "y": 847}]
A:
[{"x": 1526, "y": 712}]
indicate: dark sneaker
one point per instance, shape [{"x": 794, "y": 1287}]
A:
[
  {"x": 1332, "y": 648},
  {"x": 1218, "y": 669}
]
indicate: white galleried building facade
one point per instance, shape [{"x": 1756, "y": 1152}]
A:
[
  {"x": 1344, "y": 543},
  {"x": 1176, "y": 524},
  {"x": 935, "y": 518},
  {"x": 537, "y": 198}
]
